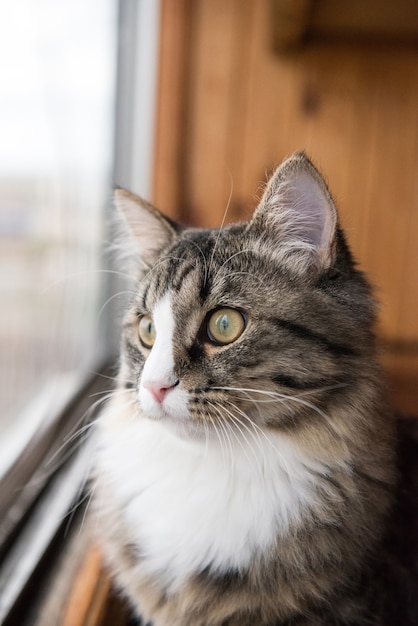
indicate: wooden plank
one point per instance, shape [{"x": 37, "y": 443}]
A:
[
  {"x": 408, "y": 315},
  {"x": 392, "y": 181},
  {"x": 295, "y": 21},
  {"x": 211, "y": 115},
  {"x": 172, "y": 101},
  {"x": 290, "y": 21},
  {"x": 377, "y": 19},
  {"x": 87, "y": 598},
  {"x": 401, "y": 368},
  {"x": 91, "y": 600}
]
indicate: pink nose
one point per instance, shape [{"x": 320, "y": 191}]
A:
[{"x": 159, "y": 389}]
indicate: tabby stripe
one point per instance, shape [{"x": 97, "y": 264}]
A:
[
  {"x": 134, "y": 353},
  {"x": 205, "y": 288},
  {"x": 185, "y": 271},
  {"x": 333, "y": 482},
  {"x": 302, "y": 332},
  {"x": 293, "y": 383},
  {"x": 144, "y": 298},
  {"x": 196, "y": 353},
  {"x": 374, "y": 481}
]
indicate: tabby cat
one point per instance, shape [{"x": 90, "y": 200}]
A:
[{"x": 245, "y": 463}]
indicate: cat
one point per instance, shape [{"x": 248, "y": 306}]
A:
[{"x": 245, "y": 465}]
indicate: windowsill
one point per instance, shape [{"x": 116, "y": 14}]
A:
[{"x": 44, "y": 488}]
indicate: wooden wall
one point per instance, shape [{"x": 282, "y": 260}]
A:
[{"x": 231, "y": 108}]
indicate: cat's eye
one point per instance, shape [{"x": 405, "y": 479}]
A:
[
  {"x": 146, "y": 331},
  {"x": 225, "y": 326}
]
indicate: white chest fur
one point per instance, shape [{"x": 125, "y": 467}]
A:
[{"x": 188, "y": 504}]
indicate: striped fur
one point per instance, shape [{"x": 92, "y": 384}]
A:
[{"x": 257, "y": 492}]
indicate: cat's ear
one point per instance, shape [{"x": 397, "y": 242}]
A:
[
  {"x": 149, "y": 230},
  {"x": 296, "y": 217}
]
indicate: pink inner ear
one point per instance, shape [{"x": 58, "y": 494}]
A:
[
  {"x": 301, "y": 210},
  {"x": 314, "y": 217},
  {"x": 298, "y": 216},
  {"x": 150, "y": 231}
]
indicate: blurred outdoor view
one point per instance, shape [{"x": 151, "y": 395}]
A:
[{"x": 57, "y": 69}]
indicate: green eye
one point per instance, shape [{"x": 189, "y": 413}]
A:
[
  {"x": 146, "y": 331},
  {"x": 225, "y": 326}
]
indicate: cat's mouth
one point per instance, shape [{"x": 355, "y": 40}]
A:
[{"x": 171, "y": 407}]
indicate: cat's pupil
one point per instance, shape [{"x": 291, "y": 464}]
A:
[
  {"x": 225, "y": 326},
  {"x": 223, "y": 323}
]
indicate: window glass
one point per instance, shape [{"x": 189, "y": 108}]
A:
[{"x": 57, "y": 69}]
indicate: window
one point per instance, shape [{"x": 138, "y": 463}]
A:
[
  {"x": 57, "y": 97},
  {"x": 57, "y": 64}
]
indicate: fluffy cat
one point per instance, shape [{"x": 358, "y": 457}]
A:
[{"x": 245, "y": 464}]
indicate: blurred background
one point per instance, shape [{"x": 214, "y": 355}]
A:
[
  {"x": 57, "y": 93},
  {"x": 188, "y": 102}
]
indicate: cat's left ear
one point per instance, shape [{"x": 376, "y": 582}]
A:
[
  {"x": 150, "y": 231},
  {"x": 296, "y": 217}
]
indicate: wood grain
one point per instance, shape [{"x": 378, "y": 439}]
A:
[
  {"x": 86, "y": 601},
  {"x": 172, "y": 102},
  {"x": 91, "y": 600}
]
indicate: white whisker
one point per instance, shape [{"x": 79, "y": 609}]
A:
[
  {"x": 73, "y": 275},
  {"x": 203, "y": 257},
  {"x": 230, "y": 258},
  {"x": 221, "y": 424},
  {"x": 115, "y": 295},
  {"x": 245, "y": 274},
  {"x": 221, "y": 442},
  {"x": 239, "y": 425},
  {"x": 274, "y": 395},
  {"x": 222, "y": 223}
]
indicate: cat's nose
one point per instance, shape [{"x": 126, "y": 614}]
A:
[{"x": 159, "y": 389}]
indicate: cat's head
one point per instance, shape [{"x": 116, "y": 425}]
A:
[{"x": 260, "y": 322}]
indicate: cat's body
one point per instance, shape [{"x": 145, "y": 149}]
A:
[{"x": 245, "y": 464}]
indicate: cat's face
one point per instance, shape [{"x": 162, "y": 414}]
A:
[{"x": 248, "y": 326}]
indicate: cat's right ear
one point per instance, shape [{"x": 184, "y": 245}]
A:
[
  {"x": 296, "y": 218},
  {"x": 149, "y": 230}
]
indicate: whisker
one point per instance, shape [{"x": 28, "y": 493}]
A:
[
  {"x": 286, "y": 399},
  {"x": 261, "y": 432},
  {"x": 59, "y": 281},
  {"x": 206, "y": 431},
  {"x": 245, "y": 274},
  {"x": 230, "y": 258},
  {"x": 223, "y": 221},
  {"x": 277, "y": 396},
  {"x": 221, "y": 424},
  {"x": 110, "y": 393},
  {"x": 203, "y": 257},
  {"x": 115, "y": 295},
  {"x": 246, "y": 417},
  {"x": 79, "y": 501},
  {"x": 90, "y": 500},
  {"x": 79, "y": 434},
  {"x": 101, "y": 375},
  {"x": 239, "y": 425},
  {"x": 221, "y": 441}
]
